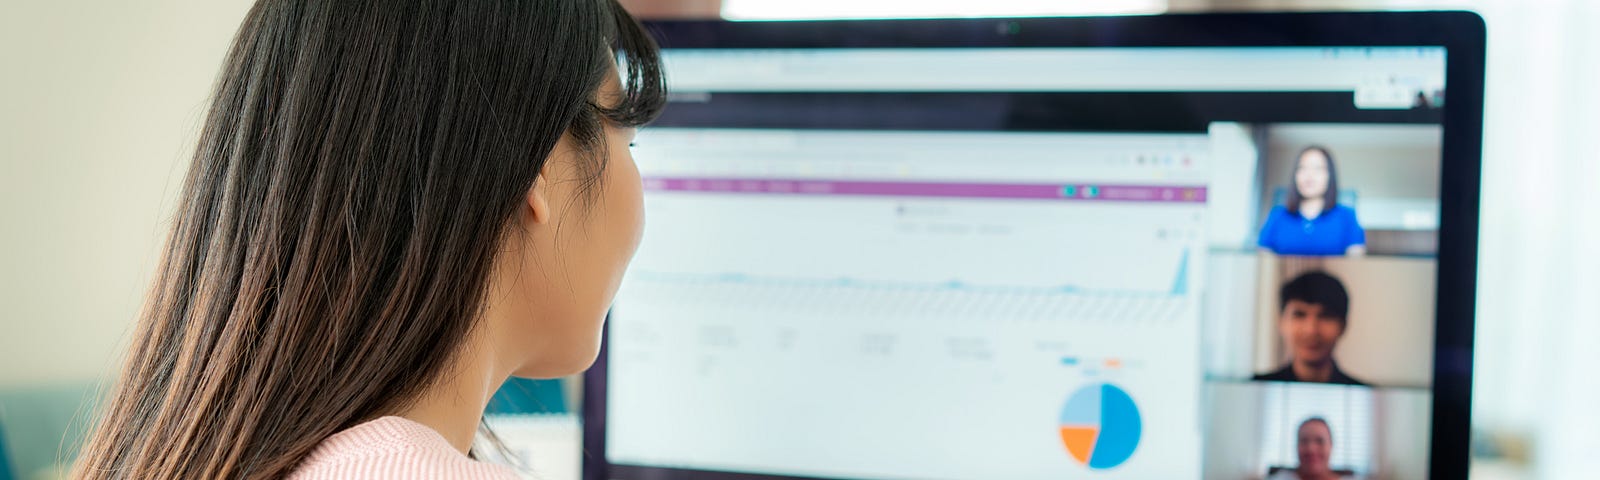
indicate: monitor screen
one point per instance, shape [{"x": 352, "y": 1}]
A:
[{"x": 970, "y": 263}]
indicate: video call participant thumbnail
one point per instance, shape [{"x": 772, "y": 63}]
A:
[
  {"x": 1314, "y": 448},
  {"x": 1312, "y": 222},
  {"x": 1312, "y": 316}
]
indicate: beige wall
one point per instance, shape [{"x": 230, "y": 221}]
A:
[
  {"x": 1375, "y": 160},
  {"x": 102, "y": 101}
]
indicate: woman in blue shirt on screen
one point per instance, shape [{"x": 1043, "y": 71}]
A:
[{"x": 1312, "y": 222}]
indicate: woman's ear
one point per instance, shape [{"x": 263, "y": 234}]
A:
[{"x": 538, "y": 200}]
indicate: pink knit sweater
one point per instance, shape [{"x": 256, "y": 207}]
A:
[{"x": 392, "y": 448}]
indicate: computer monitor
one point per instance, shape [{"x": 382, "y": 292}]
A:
[{"x": 1192, "y": 246}]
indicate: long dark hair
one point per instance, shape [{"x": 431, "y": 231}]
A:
[
  {"x": 1329, "y": 197},
  {"x": 357, "y": 172}
]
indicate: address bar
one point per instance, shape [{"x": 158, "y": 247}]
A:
[{"x": 1052, "y": 69}]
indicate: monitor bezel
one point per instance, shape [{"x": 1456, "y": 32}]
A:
[{"x": 1462, "y": 34}]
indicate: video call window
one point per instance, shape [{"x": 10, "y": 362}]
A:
[
  {"x": 1320, "y": 312},
  {"x": 1272, "y": 430},
  {"x": 1328, "y": 429},
  {"x": 1327, "y": 287},
  {"x": 994, "y": 279},
  {"x": 1351, "y": 189}
]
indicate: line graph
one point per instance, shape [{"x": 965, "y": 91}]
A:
[
  {"x": 1179, "y": 283},
  {"x": 925, "y": 299}
]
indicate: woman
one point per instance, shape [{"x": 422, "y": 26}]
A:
[
  {"x": 1314, "y": 448},
  {"x": 394, "y": 207},
  {"x": 1312, "y": 222}
]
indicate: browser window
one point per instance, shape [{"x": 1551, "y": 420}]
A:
[{"x": 1031, "y": 263}]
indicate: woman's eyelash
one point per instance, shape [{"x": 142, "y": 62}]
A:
[{"x": 633, "y": 144}]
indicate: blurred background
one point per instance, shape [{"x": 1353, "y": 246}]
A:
[{"x": 100, "y": 102}]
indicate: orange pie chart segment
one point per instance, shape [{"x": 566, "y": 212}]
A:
[{"x": 1079, "y": 441}]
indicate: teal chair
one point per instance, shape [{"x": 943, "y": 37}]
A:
[
  {"x": 7, "y": 471},
  {"x": 44, "y": 427},
  {"x": 521, "y": 396}
]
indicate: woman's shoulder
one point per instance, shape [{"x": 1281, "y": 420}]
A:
[
  {"x": 1278, "y": 211},
  {"x": 392, "y": 448}
]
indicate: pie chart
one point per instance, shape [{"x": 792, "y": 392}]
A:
[{"x": 1100, "y": 426}]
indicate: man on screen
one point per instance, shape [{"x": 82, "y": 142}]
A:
[{"x": 1312, "y": 317}]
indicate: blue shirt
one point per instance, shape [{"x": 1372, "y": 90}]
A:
[{"x": 1331, "y": 233}]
